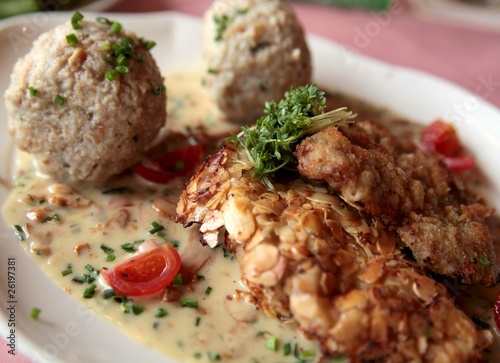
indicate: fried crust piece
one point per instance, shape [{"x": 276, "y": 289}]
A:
[
  {"x": 411, "y": 191},
  {"x": 308, "y": 257}
]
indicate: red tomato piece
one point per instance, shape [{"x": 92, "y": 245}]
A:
[
  {"x": 461, "y": 163},
  {"x": 165, "y": 167},
  {"x": 441, "y": 138},
  {"x": 496, "y": 310},
  {"x": 148, "y": 273}
]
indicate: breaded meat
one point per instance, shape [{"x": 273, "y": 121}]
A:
[
  {"x": 311, "y": 258},
  {"x": 411, "y": 192}
]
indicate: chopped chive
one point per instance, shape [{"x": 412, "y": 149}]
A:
[
  {"x": 72, "y": 39},
  {"x": 200, "y": 278},
  {"x": 88, "y": 278},
  {"x": 147, "y": 44},
  {"x": 140, "y": 58},
  {"x": 187, "y": 302},
  {"x": 287, "y": 349},
  {"x": 77, "y": 279},
  {"x": 208, "y": 290},
  {"x": 88, "y": 267},
  {"x": 106, "y": 47},
  {"x": 131, "y": 247},
  {"x": 121, "y": 69},
  {"x": 35, "y": 313},
  {"x": 161, "y": 313},
  {"x": 156, "y": 228},
  {"x": 59, "y": 100},
  {"x": 89, "y": 291},
  {"x": 212, "y": 71},
  {"x": 306, "y": 354},
  {"x": 197, "y": 321},
  {"x": 132, "y": 308},
  {"x": 197, "y": 355},
  {"x": 32, "y": 91},
  {"x": 75, "y": 20},
  {"x": 52, "y": 218},
  {"x": 484, "y": 261},
  {"x": 103, "y": 20},
  {"x": 107, "y": 249},
  {"x": 110, "y": 75},
  {"x": 212, "y": 357},
  {"x": 109, "y": 257},
  {"x": 121, "y": 59},
  {"x": 119, "y": 190},
  {"x": 19, "y": 232},
  {"x": 272, "y": 343},
  {"x": 177, "y": 280},
  {"x": 109, "y": 253},
  {"x": 67, "y": 271},
  {"x": 108, "y": 294},
  {"x": 116, "y": 27}
]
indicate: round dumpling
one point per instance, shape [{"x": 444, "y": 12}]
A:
[
  {"x": 86, "y": 102},
  {"x": 255, "y": 51}
]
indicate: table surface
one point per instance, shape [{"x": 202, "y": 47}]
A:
[{"x": 463, "y": 54}]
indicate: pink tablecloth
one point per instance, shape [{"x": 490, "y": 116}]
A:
[{"x": 466, "y": 56}]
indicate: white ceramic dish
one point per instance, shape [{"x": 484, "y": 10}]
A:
[
  {"x": 482, "y": 16},
  {"x": 68, "y": 332}
]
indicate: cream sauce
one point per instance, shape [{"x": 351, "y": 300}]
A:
[{"x": 224, "y": 326}]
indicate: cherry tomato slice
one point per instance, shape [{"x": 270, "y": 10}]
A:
[
  {"x": 461, "y": 163},
  {"x": 441, "y": 138},
  {"x": 496, "y": 311},
  {"x": 147, "y": 273},
  {"x": 165, "y": 167}
]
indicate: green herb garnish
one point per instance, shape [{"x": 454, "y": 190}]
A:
[
  {"x": 59, "y": 100},
  {"x": 157, "y": 227},
  {"x": 161, "y": 313},
  {"x": 66, "y": 271},
  {"x": 187, "y": 302},
  {"x": 19, "y": 232},
  {"x": 272, "y": 343},
  {"x": 108, "y": 294},
  {"x": 116, "y": 27},
  {"x": 75, "y": 20},
  {"x": 271, "y": 143},
  {"x": 223, "y": 21},
  {"x": 89, "y": 291},
  {"x": 35, "y": 313},
  {"x": 131, "y": 247},
  {"x": 72, "y": 39},
  {"x": 178, "y": 280},
  {"x": 147, "y": 44},
  {"x": 32, "y": 91}
]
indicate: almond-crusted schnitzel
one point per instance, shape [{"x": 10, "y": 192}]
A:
[
  {"x": 308, "y": 257},
  {"x": 327, "y": 249}
]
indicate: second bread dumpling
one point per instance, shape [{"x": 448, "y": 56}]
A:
[{"x": 255, "y": 51}]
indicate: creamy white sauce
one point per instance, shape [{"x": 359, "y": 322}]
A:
[{"x": 223, "y": 326}]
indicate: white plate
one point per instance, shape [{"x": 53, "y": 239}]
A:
[
  {"x": 413, "y": 94},
  {"x": 483, "y": 16}
]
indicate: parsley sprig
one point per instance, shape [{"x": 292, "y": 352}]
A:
[{"x": 271, "y": 143}]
